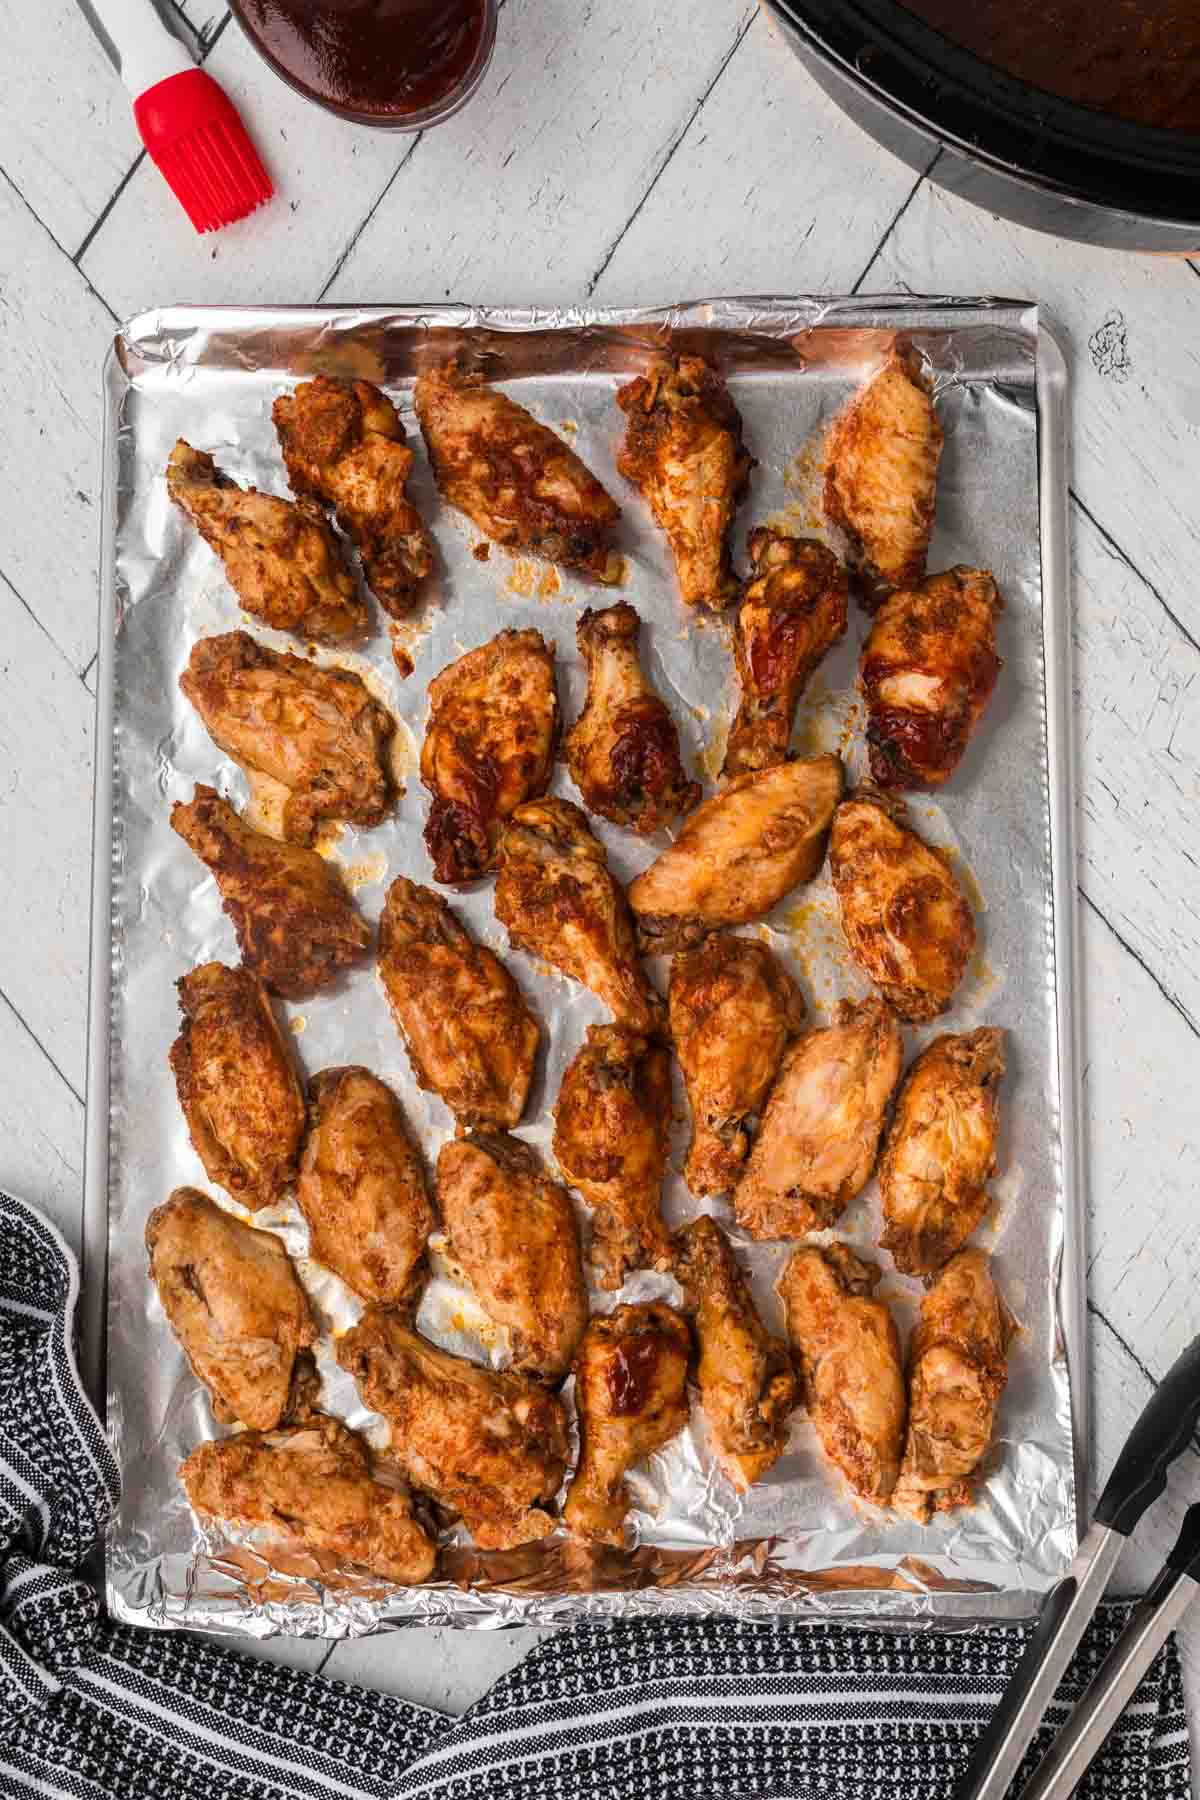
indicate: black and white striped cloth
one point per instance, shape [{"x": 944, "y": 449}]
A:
[{"x": 695, "y": 1709}]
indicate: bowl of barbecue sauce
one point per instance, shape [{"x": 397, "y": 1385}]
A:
[{"x": 402, "y": 65}]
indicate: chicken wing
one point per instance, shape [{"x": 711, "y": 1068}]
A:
[
  {"x": 848, "y": 1351},
  {"x": 738, "y": 854},
  {"x": 734, "y": 1008},
  {"x": 816, "y": 1146},
  {"x": 489, "y": 745},
  {"x": 941, "y": 1150},
  {"x": 958, "y": 1369},
  {"x": 515, "y": 1235},
  {"x": 492, "y": 1447},
  {"x": 631, "y": 1391},
  {"x": 237, "y": 1084},
  {"x": 296, "y": 925},
  {"x": 793, "y": 611},
  {"x": 318, "y": 731},
  {"x": 362, "y": 1187},
  {"x": 469, "y": 1034},
  {"x": 559, "y": 902},
  {"x": 312, "y": 1483},
  {"x": 747, "y": 1383},
  {"x": 344, "y": 445},
  {"x": 623, "y": 750},
  {"x": 611, "y": 1127},
  {"x": 683, "y": 451},
  {"x": 881, "y": 472},
  {"x": 281, "y": 559},
  {"x": 905, "y": 917},
  {"x": 512, "y": 476},
  {"x": 233, "y": 1301},
  {"x": 927, "y": 671}
]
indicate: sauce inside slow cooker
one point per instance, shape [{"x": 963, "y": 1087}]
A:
[
  {"x": 1137, "y": 59},
  {"x": 370, "y": 56}
]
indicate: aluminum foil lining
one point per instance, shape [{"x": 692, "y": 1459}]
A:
[{"x": 797, "y": 1543}]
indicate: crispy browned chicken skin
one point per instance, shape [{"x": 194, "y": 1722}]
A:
[
  {"x": 881, "y": 470},
  {"x": 343, "y": 444},
  {"x": 489, "y": 745},
  {"x": 793, "y": 611},
  {"x": 297, "y": 927},
  {"x": 490, "y": 1446},
  {"x": 848, "y": 1350},
  {"x": 313, "y": 1483},
  {"x": 941, "y": 1149},
  {"x": 738, "y": 854},
  {"x": 623, "y": 750},
  {"x": 611, "y": 1126},
  {"x": 957, "y": 1371},
  {"x": 469, "y": 1034},
  {"x": 237, "y": 1084},
  {"x": 927, "y": 671},
  {"x": 514, "y": 1233},
  {"x": 734, "y": 1008},
  {"x": 559, "y": 902},
  {"x": 816, "y": 1146},
  {"x": 747, "y": 1383},
  {"x": 512, "y": 476},
  {"x": 233, "y": 1301},
  {"x": 316, "y": 730},
  {"x": 631, "y": 1391},
  {"x": 905, "y": 917},
  {"x": 683, "y": 450},
  {"x": 282, "y": 560},
  {"x": 362, "y": 1186}
]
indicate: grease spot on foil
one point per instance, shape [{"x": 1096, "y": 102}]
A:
[
  {"x": 297, "y": 1024},
  {"x": 362, "y": 874},
  {"x": 522, "y": 578},
  {"x": 711, "y": 759}
]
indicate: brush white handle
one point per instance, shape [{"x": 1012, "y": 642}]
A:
[{"x": 144, "y": 50}]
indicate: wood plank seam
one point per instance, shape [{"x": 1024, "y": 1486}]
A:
[
  {"x": 27, "y": 1028},
  {"x": 1123, "y": 555},
  {"x": 19, "y": 597},
  {"x": 61, "y": 248},
  {"x": 340, "y": 264},
  {"x": 913, "y": 191},
  {"x": 1166, "y": 993}
]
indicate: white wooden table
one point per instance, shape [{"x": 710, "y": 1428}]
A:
[{"x": 625, "y": 154}]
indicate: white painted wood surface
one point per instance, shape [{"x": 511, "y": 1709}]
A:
[{"x": 612, "y": 154}]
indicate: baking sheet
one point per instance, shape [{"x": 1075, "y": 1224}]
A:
[{"x": 797, "y": 1543}]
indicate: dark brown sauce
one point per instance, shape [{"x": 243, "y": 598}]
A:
[
  {"x": 1135, "y": 59},
  {"x": 387, "y": 58},
  {"x": 631, "y": 1372}
]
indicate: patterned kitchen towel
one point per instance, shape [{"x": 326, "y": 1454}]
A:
[{"x": 686, "y": 1709}]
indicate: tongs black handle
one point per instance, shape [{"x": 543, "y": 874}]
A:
[{"x": 1167, "y": 1424}]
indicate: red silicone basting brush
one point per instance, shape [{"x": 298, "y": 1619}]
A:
[{"x": 188, "y": 124}]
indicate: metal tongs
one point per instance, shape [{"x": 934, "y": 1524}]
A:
[{"x": 1140, "y": 1476}]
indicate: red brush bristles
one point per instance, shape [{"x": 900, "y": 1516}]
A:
[{"x": 193, "y": 132}]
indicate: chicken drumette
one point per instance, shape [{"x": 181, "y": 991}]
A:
[
  {"x": 683, "y": 450},
  {"x": 941, "y": 1150},
  {"x": 512, "y": 476},
  {"x": 237, "y": 1084},
  {"x": 343, "y": 444},
  {"x": 316, "y": 730},
  {"x": 957, "y": 1371},
  {"x": 631, "y": 1391},
  {"x": 489, "y": 745},
  {"x": 514, "y": 1233},
  {"x": 623, "y": 750},
  {"x": 490, "y": 1446},
  {"x": 312, "y": 1483},
  {"x": 927, "y": 671},
  {"x": 611, "y": 1127},
  {"x": 816, "y": 1146},
  {"x": 234, "y": 1302},
  {"x": 362, "y": 1187},
  {"x": 848, "y": 1350},
  {"x": 296, "y": 925},
  {"x": 747, "y": 1382},
  {"x": 469, "y": 1034},
  {"x": 793, "y": 611},
  {"x": 734, "y": 1008},
  {"x": 907, "y": 922},
  {"x": 559, "y": 902},
  {"x": 738, "y": 854},
  {"x": 281, "y": 558}
]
